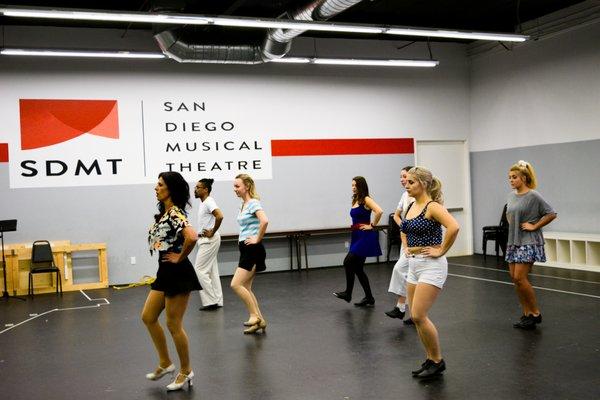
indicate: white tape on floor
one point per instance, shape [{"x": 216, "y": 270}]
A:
[
  {"x": 535, "y": 287},
  {"x": 34, "y": 316},
  {"x": 530, "y": 274}
]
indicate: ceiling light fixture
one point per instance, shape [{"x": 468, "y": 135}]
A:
[
  {"x": 76, "y": 53},
  {"x": 364, "y": 62},
  {"x": 293, "y": 24},
  {"x": 243, "y": 22},
  {"x": 292, "y": 60},
  {"x": 287, "y": 60},
  {"x": 500, "y": 37},
  {"x": 103, "y": 16}
]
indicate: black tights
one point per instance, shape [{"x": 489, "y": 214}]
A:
[{"x": 354, "y": 265}]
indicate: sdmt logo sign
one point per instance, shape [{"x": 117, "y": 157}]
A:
[
  {"x": 67, "y": 141},
  {"x": 48, "y": 122}
]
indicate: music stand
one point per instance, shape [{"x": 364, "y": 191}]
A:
[{"x": 8, "y": 225}]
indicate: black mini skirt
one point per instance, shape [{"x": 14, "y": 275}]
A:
[
  {"x": 251, "y": 255},
  {"x": 174, "y": 279}
]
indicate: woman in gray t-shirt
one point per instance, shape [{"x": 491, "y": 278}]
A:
[{"x": 527, "y": 212}]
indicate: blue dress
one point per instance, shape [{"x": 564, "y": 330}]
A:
[{"x": 363, "y": 243}]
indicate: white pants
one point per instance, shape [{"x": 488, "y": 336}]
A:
[
  {"x": 207, "y": 270},
  {"x": 399, "y": 274}
]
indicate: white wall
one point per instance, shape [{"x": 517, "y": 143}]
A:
[
  {"x": 541, "y": 103},
  {"x": 542, "y": 92},
  {"x": 290, "y": 101}
]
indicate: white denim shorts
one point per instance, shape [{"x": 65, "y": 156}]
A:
[{"x": 423, "y": 269}]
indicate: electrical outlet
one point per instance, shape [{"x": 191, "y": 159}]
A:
[{"x": 132, "y": 260}]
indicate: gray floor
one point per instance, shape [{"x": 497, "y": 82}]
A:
[{"x": 316, "y": 346}]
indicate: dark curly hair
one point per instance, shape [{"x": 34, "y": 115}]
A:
[{"x": 179, "y": 191}]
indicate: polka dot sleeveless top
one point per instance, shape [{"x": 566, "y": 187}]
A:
[{"x": 421, "y": 231}]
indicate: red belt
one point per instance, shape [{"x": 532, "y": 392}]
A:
[{"x": 356, "y": 227}]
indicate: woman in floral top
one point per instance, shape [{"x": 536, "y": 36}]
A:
[{"x": 173, "y": 238}]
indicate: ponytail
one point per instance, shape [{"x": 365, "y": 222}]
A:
[
  {"x": 527, "y": 171},
  {"x": 431, "y": 184},
  {"x": 435, "y": 190}
]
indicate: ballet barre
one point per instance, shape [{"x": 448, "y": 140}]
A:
[
  {"x": 298, "y": 241},
  {"x": 303, "y": 236},
  {"x": 291, "y": 236}
]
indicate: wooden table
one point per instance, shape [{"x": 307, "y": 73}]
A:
[{"x": 18, "y": 261}]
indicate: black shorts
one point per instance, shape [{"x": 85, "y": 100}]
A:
[
  {"x": 252, "y": 255},
  {"x": 174, "y": 279}
]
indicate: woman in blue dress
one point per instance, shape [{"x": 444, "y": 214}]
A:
[{"x": 364, "y": 242}]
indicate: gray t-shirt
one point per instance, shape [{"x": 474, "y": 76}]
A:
[{"x": 528, "y": 207}]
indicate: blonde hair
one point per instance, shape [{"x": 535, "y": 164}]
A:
[
  {"x": 249, "y": 183},
  {"x": 431, "y": 184},
  {"x": 527, "y": 171}
]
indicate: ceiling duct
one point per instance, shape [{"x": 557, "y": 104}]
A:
[
  {"x": 276, "y": 44},
  {"x": 183, "y": 52}
]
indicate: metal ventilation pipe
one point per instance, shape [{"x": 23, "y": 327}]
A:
[
  {"x": 276, "y": 44},
  {"x": 209, "y": 54},
  {"x": 279, "y": 41},
  {"x": 320, "y": 10}
]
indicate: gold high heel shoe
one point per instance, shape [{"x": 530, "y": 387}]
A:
[
  {"x": 251, "y": 323},
  {"x": 260, "y": 325},
  {"x": 177, "y": 386}
]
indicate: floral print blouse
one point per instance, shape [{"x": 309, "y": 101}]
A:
[{"x": 165, "y": 235}]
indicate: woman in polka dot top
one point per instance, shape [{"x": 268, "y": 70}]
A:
[{"x": 425, "y": 247}]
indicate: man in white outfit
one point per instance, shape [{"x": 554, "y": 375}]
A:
[
  {"x": 400, "y": 271},
  {"x": 207, "y": 269}
]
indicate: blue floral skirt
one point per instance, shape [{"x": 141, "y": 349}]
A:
[{"x": 525, "y": 254}]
